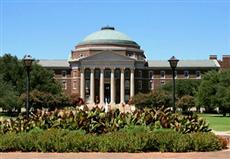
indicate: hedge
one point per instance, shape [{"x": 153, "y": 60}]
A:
[{"x": 59, "y": 140}]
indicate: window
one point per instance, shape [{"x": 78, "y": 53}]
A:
[
  {"x": 75, "y": 73},
  {"x": 87, "y": 74},
  {"x": 63, "y": 73},
  {"x": 198, "y": 76},
  {"x": 117, "y": 73},
  {"x": 97, "y": 74},
  {"x": 126, "y": 97},
  {"x": 151, "y": 85},
  {"x": 75, "y": 84},
  {"x": 107, "y": 73},
  {"x": 64, "y": 84},
  {"x": 151, "y": 75},
  {"x": 175, "y": 74},
  {"x": 186, "y": 74},
  {"x": 162, "y": 74},
  {"x": 139, "y": 73},
  {"x": 139, "y": 84},
  {"x": 130, "y": 54},
  {"x": 127, "y": 84},
  {"x": 87, "y": 87},
  {"x": 127, "y": 74},
  {"x": 81, "y": 55},
  {"x": 162, "y": 82}
]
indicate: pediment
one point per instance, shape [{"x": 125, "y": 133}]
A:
[{"x": 107, "y": 56}]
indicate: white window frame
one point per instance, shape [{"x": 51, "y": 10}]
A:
[
  {"x": 151, "y": 76},
  {"x": 161, "y": 76},
  {"x": 162, "y": 82},
  {"x": 186, "y": 77},
  {"x": 175, "y": 74},
  {"x": 198, "y": 77},
  {"x": 64, "y": 84},
  {"x": 151, "y": 85}
]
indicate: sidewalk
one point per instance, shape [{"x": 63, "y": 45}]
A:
[{"x": 224, "y": 154}]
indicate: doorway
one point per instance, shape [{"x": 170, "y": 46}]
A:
[{"x": 107, "y": 92}]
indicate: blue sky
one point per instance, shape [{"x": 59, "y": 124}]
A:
[{"x": 49, "y": 29}]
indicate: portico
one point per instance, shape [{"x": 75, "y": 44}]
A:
[{"x": 113, "y": 73}]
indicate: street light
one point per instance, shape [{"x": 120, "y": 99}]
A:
[
  {"x": 173, "y": 63},
  {"x": 27, "y": 61}
]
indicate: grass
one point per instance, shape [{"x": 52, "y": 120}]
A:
[{"x": 217, "y": 122}]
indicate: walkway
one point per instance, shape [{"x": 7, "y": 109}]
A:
[{"x": 153, "y": 155}]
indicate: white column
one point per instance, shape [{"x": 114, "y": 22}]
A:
[
  {"x": 102, "y": 86},
  {"x": 112, "y": 85},
  {"x": 82, "y": 84},
  {"x": 92, "y": 86},
  {"x": 132, "y": 83},
  {"x": 122, "y": 98}
]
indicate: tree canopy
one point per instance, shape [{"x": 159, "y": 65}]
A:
[
  {"x": 13, "y": 80},
  {"x": 183, "y": 87},
  {"x": 214, "y": 91}
]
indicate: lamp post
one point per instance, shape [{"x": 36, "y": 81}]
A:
[
  {"x": 27, "y": 61},
  {"x": 173, "y": 63}
]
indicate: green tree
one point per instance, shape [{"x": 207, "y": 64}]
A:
[
  {"x": 186, "y": 102},
  {"x": 8, "y": 97},
  {"x": 154, "y": 99},
  {"x": 183, "y": 87},
  {"x": 42, "y": 80},
  {"x": 214, "y": 91}
]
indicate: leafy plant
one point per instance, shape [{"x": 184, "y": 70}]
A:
[{"x": 98, "y": 122}]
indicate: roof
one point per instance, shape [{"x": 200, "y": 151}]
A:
[
  {"x": 63, "y": 63},
  {"x": 108, "y": 35},
  {"x": 185, "y": 64},
  {"x": 107, "y": 56}
]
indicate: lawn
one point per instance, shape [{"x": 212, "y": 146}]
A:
[{"x": 217, "y": 122}]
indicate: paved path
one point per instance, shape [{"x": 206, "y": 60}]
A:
[{"x": 225, "y": 154}]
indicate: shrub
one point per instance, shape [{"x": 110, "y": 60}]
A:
[
  {"x": 57, "y": 140},
  {"x": 186, "y": 102},
  {"x": 206, "y": 142},
  {"x": 154, "y": 99}
]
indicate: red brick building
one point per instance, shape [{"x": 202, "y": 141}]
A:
[{"x": 108, "y": 65}]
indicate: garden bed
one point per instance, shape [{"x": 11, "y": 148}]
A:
[{"x": 75, "y": 130}]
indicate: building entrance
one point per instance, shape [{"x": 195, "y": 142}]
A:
[{"x": 107, "y": 92}]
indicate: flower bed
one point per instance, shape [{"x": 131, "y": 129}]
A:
[{"x": 98, "y": 122}]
